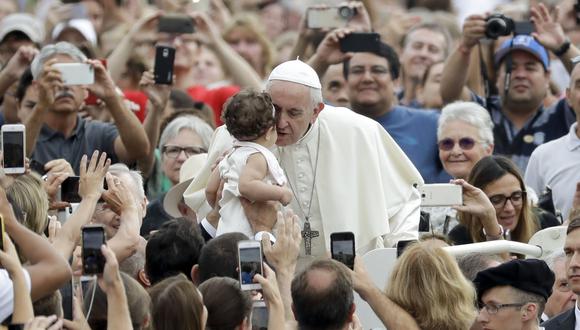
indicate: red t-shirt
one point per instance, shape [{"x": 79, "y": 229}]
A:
[{"x": 215, "y": 98}]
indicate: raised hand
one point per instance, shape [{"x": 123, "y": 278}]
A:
[
  {"x": 103, "y": 87},
  {"x": 158, "y": 95},
  {"x": 110, "y": 279},
  {"x": 473, "y": 30},
  {"x": 49, "y": 81},
  {"x": 93, "y": 174},
  {"x": 549, "y": 32},
  {"x": 118, "y": 195},
  {"x": 329, "y": 49},
  {"x": 284, "y": 254},
  {"x": 20, "y": 61}
]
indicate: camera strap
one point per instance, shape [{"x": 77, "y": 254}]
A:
[
  {"x": 484, "y": 76},
  {"x": 508, "y": 72}
]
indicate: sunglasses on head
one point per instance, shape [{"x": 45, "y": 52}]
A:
[{"x": 465, "y": 143}]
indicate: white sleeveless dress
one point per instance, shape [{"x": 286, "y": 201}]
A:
[{"x": 233, "y": 218}]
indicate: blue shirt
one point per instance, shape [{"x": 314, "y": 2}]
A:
[
  {"x": 546, "y": 125},
  {"x": 415, "y": 131}
]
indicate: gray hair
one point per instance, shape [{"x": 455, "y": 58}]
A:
[
  {"x": 470, "y": 113},
  {"x": 194, "y": 123},
  {"x": 555, "y": 257},
  {"x": 51, "y": 50},
  {"x": 315, "y": 94},
  {"x": 119, "y": 169}
]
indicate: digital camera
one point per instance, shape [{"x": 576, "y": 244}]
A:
[{"x": 498, "y": 25}]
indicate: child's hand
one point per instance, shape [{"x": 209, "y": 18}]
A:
[{"x": 287, "y": 196}]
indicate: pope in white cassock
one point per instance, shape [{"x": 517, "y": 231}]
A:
[{"x": 345, "y": 170}]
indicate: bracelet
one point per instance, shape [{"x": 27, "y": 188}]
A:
[
  {"x": 494, "y": 237},
  {"x": 563, "y": 49}
]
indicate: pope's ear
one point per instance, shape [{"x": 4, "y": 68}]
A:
[{"x": 317, "y": 109}]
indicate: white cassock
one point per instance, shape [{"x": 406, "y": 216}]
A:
[{"x": 364, "y": 181}]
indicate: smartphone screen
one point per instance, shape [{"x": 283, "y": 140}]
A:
[
  {"x": 259, "y": 316},
  {"x": 402, "y": 245},
  {"x": 93, "y": 260},
  {"x": 250, "y": 255},
  {"x": 69, "y": 190},
  {"x": 163, "y": 71},
  {"x": 13, "y": 147},
  {"x": 342, "y": 248}
]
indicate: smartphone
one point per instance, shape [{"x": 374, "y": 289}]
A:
[
  {"x": 176, "y": 24},
  {"x": 163, "y": 71},
  {"x": 324, "y": 18},
  {"x": 67, "y": 294},
  {"x": 2, "y": 233},
  {"x": 402, "y": 245},
  {"x": 259, "y": 315},
  {"x": 361, "y": 42},
  {"x": 37, "y": 167},
  {"x": 93, "y": 237},
  {"x": 523, "y": 27},
  {"x": 76, "y": 73},
  {"x": 250, "y": 263},
  {"x": 342, "y": 248},
  {"x": 441, "y": 194},
  {"x": 13, "y": 145},
  {"x": 69, "y": 190}
]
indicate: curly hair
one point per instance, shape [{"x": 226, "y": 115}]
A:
[{"x": 249, "y": 114}]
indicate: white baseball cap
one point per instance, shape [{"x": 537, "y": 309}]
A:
[
  {"x": 82, "y": 25},
  {"x": 24, "y": 23},
  {"x": 187, "y": 173}
]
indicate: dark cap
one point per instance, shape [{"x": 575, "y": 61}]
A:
[{"x": 530, "y": 275}]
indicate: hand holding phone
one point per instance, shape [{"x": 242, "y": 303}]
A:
[
  {"x": 342, "y": 248},
  {"x": 93, "y": 237},
  {"x": 250, "y": 264},
  {"x": 13, "y": 148}
]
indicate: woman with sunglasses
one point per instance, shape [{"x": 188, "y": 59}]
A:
[
  {"x": 464, "y": 135},
  {"x": 495, "y": 205}
]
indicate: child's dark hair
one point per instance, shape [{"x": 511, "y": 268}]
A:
[{"x": 249, "y": 114}]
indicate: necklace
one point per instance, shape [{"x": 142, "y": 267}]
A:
[{"x": 307, "y": 233}]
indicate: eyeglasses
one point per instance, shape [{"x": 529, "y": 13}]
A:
[
  {"x": 494, "y": 308},
  {"x": 465, "y": 143},
  {"x": 175, "y": 151},
  {"x": 499, "y": 201}
]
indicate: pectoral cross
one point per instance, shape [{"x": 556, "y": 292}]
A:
[{"x": 308, "y": 234}]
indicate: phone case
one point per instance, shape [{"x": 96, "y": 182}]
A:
[
  {"x": 13, "y": 145},
  {"x": 441, "y": 194},
  {"x": 163, "y": 71},
  {"x": 342, "y": 248},
  {"x": 93, "y": 260},
  {"x": 361, "y": 42},
  {"x": 176, "y": 24},
  {"x": 250, "y": 263}
]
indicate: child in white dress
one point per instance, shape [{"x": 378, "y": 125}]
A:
[{"x": 250, "y": 170}]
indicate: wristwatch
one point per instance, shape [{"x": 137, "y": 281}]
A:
[
  {"x": 564, "y": 48},
  {"x": 494, "y": 237}
]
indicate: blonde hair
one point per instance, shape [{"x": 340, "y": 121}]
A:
[
  {"x": 428, "y": 284},
  {"x": 248, "y": 24},
  {"x": 27, "y": 193}
]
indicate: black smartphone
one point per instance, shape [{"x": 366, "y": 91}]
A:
[
  {"x": 163, "y": 71},
  {"x": 67, "y": 293},
  {"x": 93, "y": 237},
  {"x": 342, "y": 248},
  {"x": 69, "y": 190},
  {"x": 250, "y": 264},
  {"x": 523, "y": 27},
  {"x": 402, "y": 245},
  {"x": 37, "y": 167},
  {"x": 361, "y": 42},
  {"x": 259, "y": 315},
  {"x": 176, "y": 24}
]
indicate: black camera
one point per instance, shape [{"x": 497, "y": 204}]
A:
[
  {"x": 498, "y": 25},
  {"x": 346, "y": 12}
]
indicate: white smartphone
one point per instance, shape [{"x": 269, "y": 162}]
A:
[
  {"x": 13, "y": 148},
  {"x": 200, "y": 5},
  {"x": 250, "y": 264},
  {"x": 259, "y": 315},
  {"x": 76, "y": 73},
  {"x": 441, "y": 194},
  {"x": 324, "y": 18}
]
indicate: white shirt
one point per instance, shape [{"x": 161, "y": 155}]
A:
[
  {"x": 577, "y": 315},
  {"x": 556, "y": 164},
  {"x": 7, "y": 293}
]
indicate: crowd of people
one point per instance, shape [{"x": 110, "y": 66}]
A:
[{"x": 276, "y": 130}]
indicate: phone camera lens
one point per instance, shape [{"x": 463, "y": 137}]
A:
[{"x": 346, "y": 12}]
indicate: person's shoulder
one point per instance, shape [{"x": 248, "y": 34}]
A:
[
  {"x": 344, "y": 117},
  {"x": 566, "y": 318},
  {"x": 547, "y": 148}
]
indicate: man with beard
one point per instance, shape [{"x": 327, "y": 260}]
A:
[{"x": 54, "y": 129}]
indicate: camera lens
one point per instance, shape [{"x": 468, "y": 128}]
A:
[
  {"x": 346, "y": 12},
  {"x": 498, "y": 25}
]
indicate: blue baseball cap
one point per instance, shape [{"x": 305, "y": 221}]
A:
[{"x": 526, "y": 43}]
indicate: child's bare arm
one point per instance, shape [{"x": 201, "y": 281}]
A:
[
  {"x": 212, "y": 187},
  {"x": 253, "y": 188}
]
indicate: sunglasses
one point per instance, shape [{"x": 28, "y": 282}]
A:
[{"x": 465, "y": 143}]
